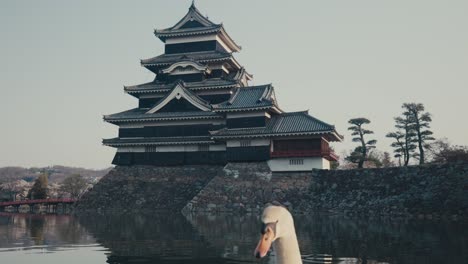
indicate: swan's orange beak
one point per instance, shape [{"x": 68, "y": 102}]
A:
[{"x": 264, "y": 244}]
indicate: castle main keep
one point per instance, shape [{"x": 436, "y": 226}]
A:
[{"x": 200, "y": 109}]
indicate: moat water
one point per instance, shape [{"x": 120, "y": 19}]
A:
[{"x": 205, "y": 239}]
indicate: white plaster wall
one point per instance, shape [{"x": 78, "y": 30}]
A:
[
  {"x": 187, "y": 148},
  {"x": 176, "y": 148},
  {"x": 326, "y": 164},
  {"x": 282, "y": 164},
  {"x": 220, "y": 147},
  {"x": 131, "y": 149},
  {"x": 253, "y": 142},
  {"x": 212, "y": 92},
  {"x": 190, "y": 39},
  {"x": 151, "y": 96},
  {"x": 172, "y": 123},
  {"x": 131, "y": 125},
  {"x": 248, "y": 114}
]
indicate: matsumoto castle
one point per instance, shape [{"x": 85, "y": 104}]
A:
[{"x": 200, "y": 109}]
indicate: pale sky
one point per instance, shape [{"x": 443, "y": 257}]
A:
[{"x": 64, "y": 64}]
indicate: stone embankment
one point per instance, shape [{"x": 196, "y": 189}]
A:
[
  {"x": 248, "y": 187},
  {"x": 146, "y": 188},
  {"x": 429, "y": 191}
]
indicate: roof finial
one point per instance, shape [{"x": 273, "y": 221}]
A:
[{"x": 193, "y": 4}]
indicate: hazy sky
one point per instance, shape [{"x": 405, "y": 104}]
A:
[{"x": 64, "y": 64}]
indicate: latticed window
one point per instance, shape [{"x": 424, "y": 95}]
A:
[
  {"x": 150, "y": 148},
  {"x": 245, "y": 143},
  {"x": 203, "y": 147},
  {"x": 296, "y": 162}
]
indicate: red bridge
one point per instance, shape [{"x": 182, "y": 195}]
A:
[{"x": 50, "y": 203}]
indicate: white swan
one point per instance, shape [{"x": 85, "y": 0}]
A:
[{"x": 278, "y": 229}]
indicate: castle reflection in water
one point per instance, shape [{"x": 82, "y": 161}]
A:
[{"x": 174, "y": 238}]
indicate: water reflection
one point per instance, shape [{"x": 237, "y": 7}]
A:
[
  {"x": 174, "y": 238},
  {"x": 27, "y": 231},
  {"x": 334, "y": 239},
  {"x": 152, "y": 238}
]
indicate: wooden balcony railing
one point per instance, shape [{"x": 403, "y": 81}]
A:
[{"x": 329, "y": 155}]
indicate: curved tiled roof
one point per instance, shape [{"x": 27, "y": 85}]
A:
[
  {"x": 202, "y": 56},
  {"x": 156, "y": 86},
  {"x": 252, "y": 97},
  {"x": 298, "y": 122},
  {"x": 295, "y": 123},
  {"x": 190, "y": 95},
  {"x": 139, "y": 114},
  {"x": 194, "y": 23},
  {"x": 193, "y": 14},
  {"x": 166, "y": 33}
]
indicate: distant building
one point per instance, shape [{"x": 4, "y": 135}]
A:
[{"x": 200, "y": 109}]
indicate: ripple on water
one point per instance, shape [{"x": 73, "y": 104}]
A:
[{"x": 222, "y": 239}]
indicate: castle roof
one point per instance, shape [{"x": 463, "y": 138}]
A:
[
  {"x": 156, "y": 86},
  {"x": 284, "y": 124},
  {"x": 200, "y": 57},
  {"x": 141, "y": 115},
  {"x": 249, "y": 98},
  {"x": 193, "y": 24},
  {"x": 179, "y": 91}
]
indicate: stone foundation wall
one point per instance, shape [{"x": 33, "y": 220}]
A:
[
  {"x": 248, "y": 187},
  {"x": 147, "y": 188},
  {"x": 428, "y": 191}
]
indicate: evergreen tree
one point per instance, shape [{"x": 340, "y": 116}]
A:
[
  {"x": 420, "y": 124},
  {"x": 399, "y": 146},
  {"x": 39, "y": 189},
  {"x": 360, "y": 153},
  {"x": 405, "y": 138}
]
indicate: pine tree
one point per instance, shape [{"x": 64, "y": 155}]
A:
[
  {"x": 360, "y": 153},
  {"x": 405, "y": 138},
  {"x": 420, "y": 122},
  {"x": 399, "y": 146}
]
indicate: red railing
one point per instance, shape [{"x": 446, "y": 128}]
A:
[
  {"x": 304, "y": 153},
  {"x": 41, "y": 201}
]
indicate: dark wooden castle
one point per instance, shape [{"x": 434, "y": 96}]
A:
[{"x": 200, "y": 109}]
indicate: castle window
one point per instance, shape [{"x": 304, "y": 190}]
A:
[
  {"x": 203, "y": 147},
  {"x": 296, "y": 162},
  {"x": 150, "y": 149},
  {"x": 245, "y": 143}
]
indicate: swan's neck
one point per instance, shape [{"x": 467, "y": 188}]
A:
[{"x": 287, "y": 250}]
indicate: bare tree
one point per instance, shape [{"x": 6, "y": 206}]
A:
[
  {"x": 442, "y": 151},
  {"x": 74, "y": 185},
  {"x": 379, "y": 159},
  {"x": 360, "y": 153},
  {"x": 387, "y": 160}
]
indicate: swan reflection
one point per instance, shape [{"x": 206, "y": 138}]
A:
[{"x": 205, "y": 239}]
